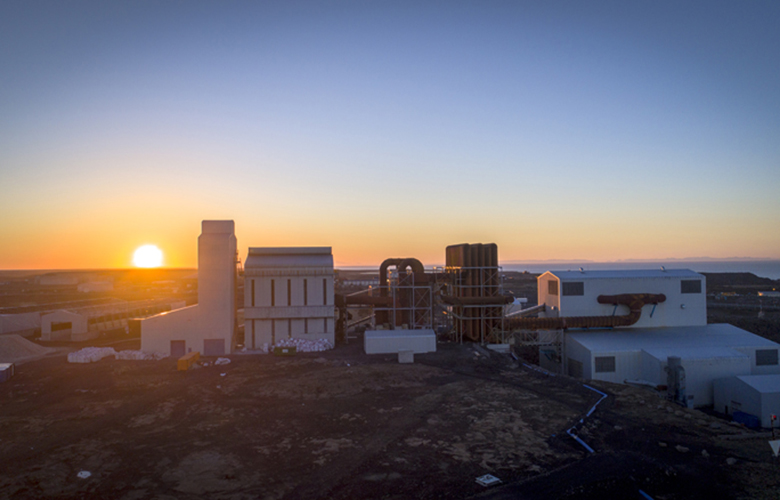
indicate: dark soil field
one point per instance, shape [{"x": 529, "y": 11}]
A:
[{"x": 341, "y": 424}]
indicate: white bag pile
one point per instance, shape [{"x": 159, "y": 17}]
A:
[
  {"x": 222, "y": 361},
  {"x": 90, "y": 354},
  {"x": 302, "y": 345},
  {"x": 140, "y": 355}
]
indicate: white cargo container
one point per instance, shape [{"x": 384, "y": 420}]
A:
[
  {"x": 395, "y": 341},
  {"x": 757, "y": 395}
]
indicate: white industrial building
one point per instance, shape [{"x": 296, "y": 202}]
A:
[
  {"x": 288, "y": 293},
  {"x": 86, "y": 322},
  {"x": 575, "y": 293},
  {"x": 707, "y": 353},
  {"x": 207, "y": 327},
  {"x": 757, "y": 395},
  {"x": 674, "y": 327}
]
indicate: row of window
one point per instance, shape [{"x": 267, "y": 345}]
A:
[
  {"x": 567, "y": 288},
  {"x": 574, "y": 288},
  {"x": 764, "y": 357},
  {"x": 289, "y": 292}
]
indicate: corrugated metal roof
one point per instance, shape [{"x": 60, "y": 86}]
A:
[
  {"x": 762, "y": 383},
  {"x": 265, "y": 257},
  {"x": 634, "y": 273},
  {"x": 680, "y": 337}
]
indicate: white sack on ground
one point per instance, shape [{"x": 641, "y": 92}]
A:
[
  {"x": 90, "y": 354},
  {"x": 302, "y": 345}
]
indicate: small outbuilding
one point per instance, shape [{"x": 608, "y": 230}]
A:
[
  {"x": 757, "y": 395},
  {"x": 65, "y": 325},
  {"x": 395, "y": 341}
]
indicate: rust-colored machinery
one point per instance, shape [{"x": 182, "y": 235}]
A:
[
  {"x": 474, "y": 290},
  {"x": 405, "y": 303},
  {"x": 634, "y": 301},
  {"x": 471, "y": 292}
]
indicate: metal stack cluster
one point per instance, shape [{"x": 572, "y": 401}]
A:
[{"x": 475, "y": 291}]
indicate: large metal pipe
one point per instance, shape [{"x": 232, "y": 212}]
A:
[
  {"x": 634, "y": 302},
  {"x": 403, "y": 298}
]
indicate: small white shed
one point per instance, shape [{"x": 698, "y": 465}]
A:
[
  {"x": 64, "y": 325},
  {"x": 393, "y": 341},
  {"x": 757, "y": 395}
]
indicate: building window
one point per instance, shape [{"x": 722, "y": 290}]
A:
[
  {"x": 573, "y": 288},
  {"x": 305, "y": 292},
  {"x": 326, "y": 324},
  {"x": 62, "y": 325},
  {"x": 273, "y": 327},
  {"x": 552, "y": 287},
  {"x": 289, "y": 328},
  {"x": 289, "y": 292},
  {"x": 766, "y": 357},
  {"x": 690, "y": 286},
  {"x": 325, "y": 293},
  {"x": 252, "y": 284},
  {"x": 605, "y": 364},
  {"x": 273, "y": 293},
  {"x": 306, "y": 325}
]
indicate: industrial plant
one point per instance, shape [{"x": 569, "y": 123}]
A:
[
  {"x": 453, "y": 368},
  {"x": 645, "y": 328}
]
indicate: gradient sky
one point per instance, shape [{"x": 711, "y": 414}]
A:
[{"x": 558, "y": 130}]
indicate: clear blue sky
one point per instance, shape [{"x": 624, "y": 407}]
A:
[{"x": 559, "y": 130}]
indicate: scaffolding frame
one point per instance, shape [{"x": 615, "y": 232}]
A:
[
  {"x": 489, "y": 283},
  {"x": 419, "y": 308}
]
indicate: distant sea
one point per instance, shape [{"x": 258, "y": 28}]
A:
[{"x": 763, "y": 268}]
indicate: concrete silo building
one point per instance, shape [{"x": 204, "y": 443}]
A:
[{"x": 207, "y": 327}]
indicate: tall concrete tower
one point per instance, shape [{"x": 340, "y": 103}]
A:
[{"x": 208, "y": 326}]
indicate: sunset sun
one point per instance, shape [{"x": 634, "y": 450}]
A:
[{"x": 148, "y": 256}]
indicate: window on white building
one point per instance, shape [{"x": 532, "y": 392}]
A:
[
  {"x": 766, "y": 357},
  {"x": 573, "y": 288},
  {"x": 605, "y": 364},
  {"x": 690, "y": 286}
]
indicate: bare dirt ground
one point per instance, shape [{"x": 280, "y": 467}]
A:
[{"x": 344, "y": 425}]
